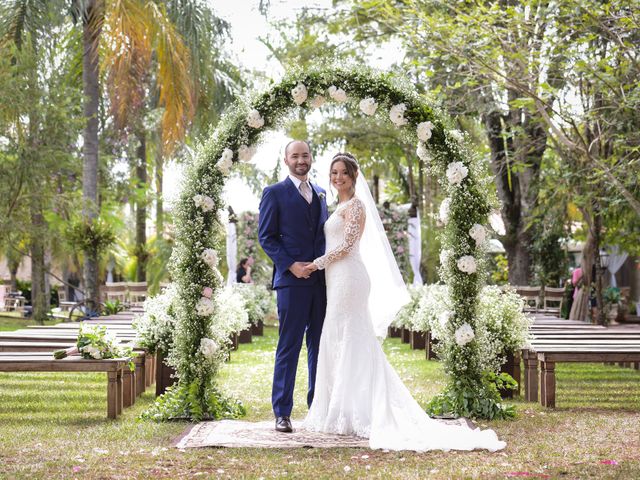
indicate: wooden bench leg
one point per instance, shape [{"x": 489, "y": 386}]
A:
[
  {"x": 548, "y": 384},
  {"x": 129, "y": 388},
  {"x": 530, "y": 377},
  {"x": 120, "y": 391},
  {"x": 517, "y": 375},
  {"x": 112, "y": 394},
  {"x": 140, "y": 374},
  {"x": 126, "y": 388},
  {"x": 149, "y": 372}
]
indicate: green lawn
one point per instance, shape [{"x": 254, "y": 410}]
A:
[
  {"x": 13, "y": 321},
  {"x": 55, "y": 426}
]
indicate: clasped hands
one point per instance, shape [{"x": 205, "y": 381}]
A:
[{"x": 303, "y": 269}]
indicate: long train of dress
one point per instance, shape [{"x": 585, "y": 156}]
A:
[{"x": 357, "y": 390}]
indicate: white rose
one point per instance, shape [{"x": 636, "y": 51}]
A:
[
  {"x": 396, "y": 115},
  {"x": 299, "y": 93},
  {"x": 445, "y": 255},
  {"x": 245, "y": 153},
  {"x": 478, "y": 233},
  {"x": 456, "y": 172},
  {"x": 205, "y": 307},
  {"x": 317, "y": 101},
  {"x": 456, "y": 135},
  {"x": 368, "y": 106},
  {"x": 495, "y": 220},
  {"x": 210, "y": 257},
  {"x": 254, "y": 119},
  {"x": 94, "y": 352},
  {"x": 423, "y": 130},
  {"x": 208, "y": 348},
  {"x": 338, "y": 94},
  {"x": 445, "y": 208},
  {"x": 464, "y": 334},
  {"x": 422, "y": 152},
  {"x": 207, "y": 204},
  {"x": 225, "y": 161},
  {"x": 467, "y": 264},
  {"x": 204, "y": 202}
]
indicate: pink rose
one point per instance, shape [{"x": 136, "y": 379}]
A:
[{"x": 207, "y": 292}]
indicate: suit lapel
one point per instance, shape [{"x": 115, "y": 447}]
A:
[{"x": 323, "y": 206}]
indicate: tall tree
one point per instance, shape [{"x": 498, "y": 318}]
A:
[{"x": 37, "y": 127}]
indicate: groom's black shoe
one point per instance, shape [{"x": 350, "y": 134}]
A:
[{"x": 283, "y": 424}]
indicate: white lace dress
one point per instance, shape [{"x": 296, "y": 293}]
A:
[{"x": 357, "y": 391}]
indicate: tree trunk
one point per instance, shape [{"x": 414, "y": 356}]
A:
[
  {"x": 39, "y": 302},
  {"x": 141, "y": 208},
  {"x": 92, "y": 26},
  {"x": 13, "y": 273},
  {"x": 597, "y": 230},
  {"x": 580, "y": 307},
  {"x": 159, "y": 201},
  {"x": 517, "y": 187}
]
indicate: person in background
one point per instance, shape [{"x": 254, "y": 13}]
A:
[{"x": 243, "y": 272}]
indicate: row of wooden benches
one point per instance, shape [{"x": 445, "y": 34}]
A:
[
  {"x": 30, "y": 350},
  {"x": 554, "y": 340}
]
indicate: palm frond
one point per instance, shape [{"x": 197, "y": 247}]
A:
[
  {"x": 21, "y": 17},
  {"x": 126, "y": 56},
  {"x": 174, "y": 80}
]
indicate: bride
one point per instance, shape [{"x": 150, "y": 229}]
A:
[{"x": 357, "y": 391}]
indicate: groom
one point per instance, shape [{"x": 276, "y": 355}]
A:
[{"x": 290, "y": 230}]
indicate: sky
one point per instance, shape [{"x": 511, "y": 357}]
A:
[{"x": 247, "y": 26}]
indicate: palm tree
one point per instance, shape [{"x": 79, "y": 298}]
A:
[{"x": 133, "y": 35}]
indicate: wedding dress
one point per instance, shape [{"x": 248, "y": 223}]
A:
[{"x": 357, "y": 391}]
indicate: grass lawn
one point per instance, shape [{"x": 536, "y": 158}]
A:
[
  {"x": 55, "y": 426},
  {"x": 14, "y": 321}
]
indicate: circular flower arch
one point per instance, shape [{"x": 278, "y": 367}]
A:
[{"x": 200, "y": 342}]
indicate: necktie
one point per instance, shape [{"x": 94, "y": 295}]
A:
[{"x": 305, "y": 190}]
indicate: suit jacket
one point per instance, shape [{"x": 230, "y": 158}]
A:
[{"x": 289, "y": 231}]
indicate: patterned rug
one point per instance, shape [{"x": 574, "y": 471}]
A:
[{"x": 235, "y": 433}]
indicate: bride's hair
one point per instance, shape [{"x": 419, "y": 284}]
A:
[{"x": 349, "y": 162}]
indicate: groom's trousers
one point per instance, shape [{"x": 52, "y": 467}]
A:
[{"x": 300, "y": 309}]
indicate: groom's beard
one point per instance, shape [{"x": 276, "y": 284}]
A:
[{"x": 301, "y": 169}]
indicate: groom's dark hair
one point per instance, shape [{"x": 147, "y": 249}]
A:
[{"x": 294, "y": 141}]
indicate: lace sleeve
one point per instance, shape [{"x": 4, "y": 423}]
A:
[{"x": 355, "y": 216}]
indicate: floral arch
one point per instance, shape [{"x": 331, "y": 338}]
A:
[{"x": 200, "y": 343}]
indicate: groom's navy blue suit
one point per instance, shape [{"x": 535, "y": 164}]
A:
[{"x": 291, "y": 230}]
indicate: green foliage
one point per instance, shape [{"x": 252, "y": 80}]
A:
[
  {"x": 195, "y": 403},
  {"x": 611, "y": 296},
  {"x": 474, "y": 400},
  {"x": 111, "y": 307},
  {"x": 499, "y": 269},
  {"x": 90, "y": 235}
]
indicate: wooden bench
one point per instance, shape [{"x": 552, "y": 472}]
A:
[
  {"x": 588, "y": 343},
  {"x": 142, "y": 360},
  {"x": 114, "y": 368},
  {"x": 549, "y": 358}
]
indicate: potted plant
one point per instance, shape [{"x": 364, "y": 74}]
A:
[{"x": 611, "y": 297}]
